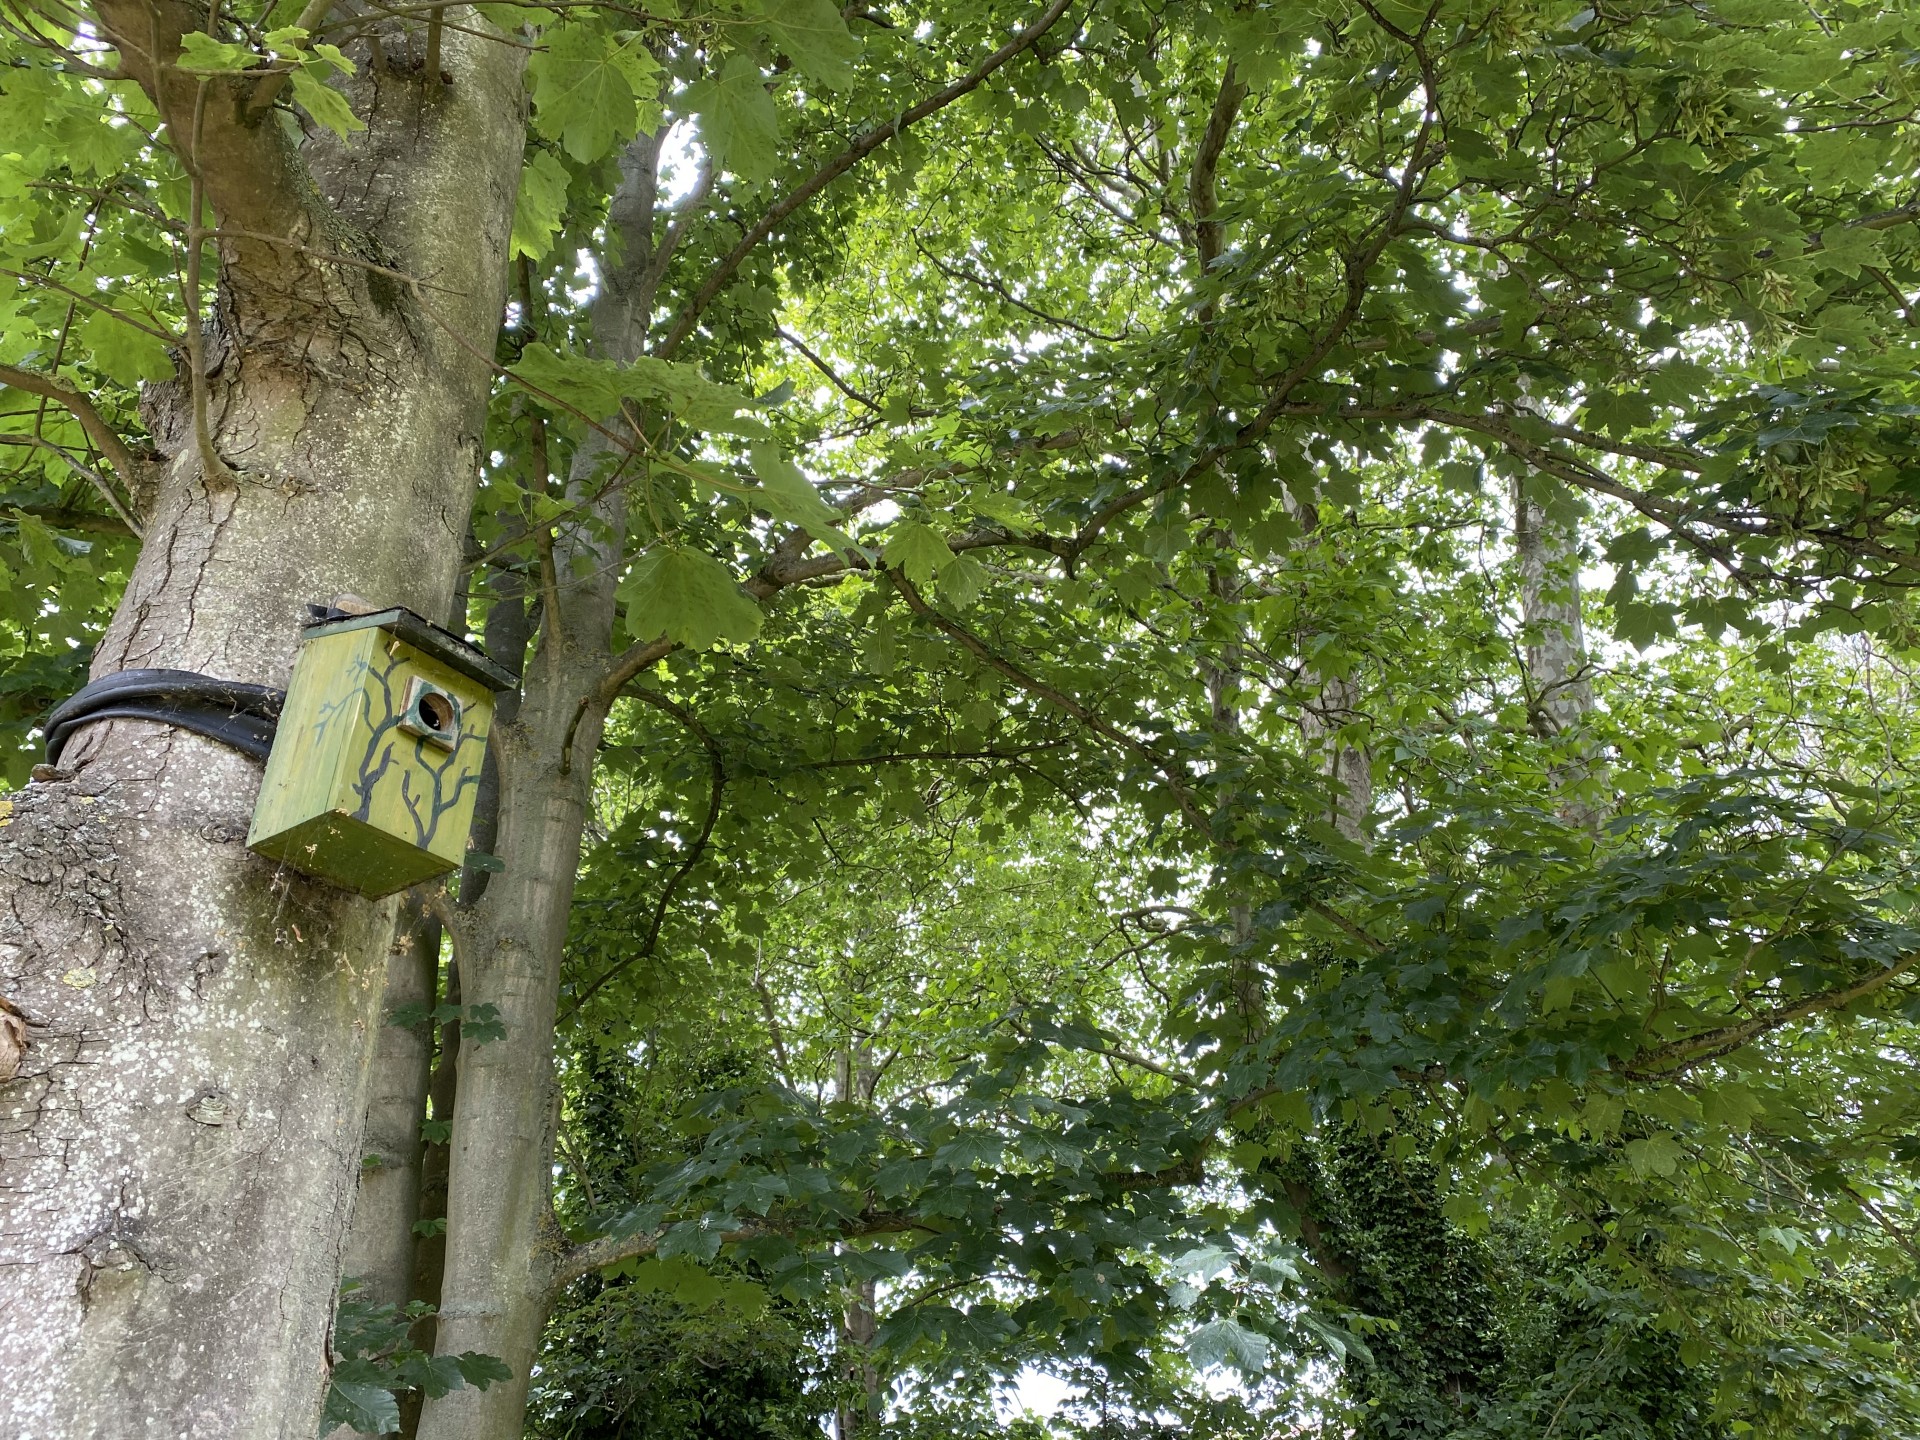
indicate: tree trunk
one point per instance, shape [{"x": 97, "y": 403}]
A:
[
  {"x": 182, "y": 1142},
  {"x": 1556, "y": 645},
  {"x": 501, "y": 1238},
  {"x": 1560, "y": 697},
  {"x": 859, "y": 1411},
  {"x": 1349, "y": 768},
  {"x": 380, "y": 1241},
  {"x": 503, "y": 1243}
]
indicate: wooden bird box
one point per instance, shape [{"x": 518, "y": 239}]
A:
[{"x": 376, "y": 762}]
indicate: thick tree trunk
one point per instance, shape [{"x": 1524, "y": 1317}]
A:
[{"x": 181, "y": 1146}]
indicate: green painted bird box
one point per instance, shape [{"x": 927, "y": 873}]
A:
[{"x": 376, "y": 761}]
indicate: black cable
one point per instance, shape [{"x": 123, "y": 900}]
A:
[{"x": 243, "y": 716}]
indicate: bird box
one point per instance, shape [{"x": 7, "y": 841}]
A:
[{"x": 376, "y": 762}]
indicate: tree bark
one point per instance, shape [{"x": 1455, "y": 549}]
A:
[
  {"x": 503, "y": 1244},
  {"x": 1556, "y": 644},
  {"x": 380, "y": 1241},
  {"x": 1560, "y": 696},
  {"x": 858, "y": 1412},
  {"x": 182, "y": 1143}
]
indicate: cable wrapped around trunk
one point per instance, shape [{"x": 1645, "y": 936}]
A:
[{"x": 243, "y": 716}]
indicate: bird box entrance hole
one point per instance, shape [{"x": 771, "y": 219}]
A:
[{"x": 376, "y": 763}]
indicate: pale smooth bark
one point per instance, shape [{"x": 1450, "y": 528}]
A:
[
  {"x": 1348, "y": 768},
  {"x": 503, "y": 1244},
  {"x": 181, "y": 1146},
  {"x": 1560, "y": 696},
  {"x": 1547, "y": 548},
  {"x": 380, "y": 1241},
  {"x": 1334, "y": 706}
]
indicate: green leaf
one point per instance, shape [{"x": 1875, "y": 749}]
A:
[
  {"x": 540, "y": 209},
  {"x": 788, "y": 495},
  {"x": 687, "y": 596},
  {"x": 432, "y": 1375},
  {"x": 737, "y": 119},
  {"x": 917, "y": 550},
  {"x": 1655, "y": 1155},
  {"x": 1850, "y": 249},
  {"x": 814, "y": 37},
  {"x": 121, "y": 352},
  {"x": 480, "y": 1370},
  {"x": 361, "y": 1406},
  {"x": 482, "y": 1025},
  {"x": 589, "y": 88},
  {"x": 201, "y": 54},
  {"x": 596, "y": 388},
  {"x": 961, "y": 581},
  {"x": 321, "y": 100},
  {"x": 1224, "y": 1342}
]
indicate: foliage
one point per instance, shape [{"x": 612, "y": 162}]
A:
[
  {"x": 1036, "y": 498},
  {"x": 376, "y": 1361}
]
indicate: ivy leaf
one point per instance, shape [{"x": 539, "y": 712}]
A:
[
  {"x": 917, "y": 550},
  {"x": 687, "y": 596},
  {"x": 737, "y": 119},
  {"x": 541, "y": 207},
  {"x": 815, "y": 37}
]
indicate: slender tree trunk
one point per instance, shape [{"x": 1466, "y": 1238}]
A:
[
  {"x": 1560, "y": 696},
  {"x": 381, "y": 1254},
  {"x": 430, "y": 1255},
  {"x": 1348, "y": 768},
  {"x": 503, "y": 1243},
  {"x": 182, "y": 1143},
  {"x": 380, "y": 1241},
  {"x": 501, "y": 1239},
  {"x": 860, "y": 1321},
  {"x": 1224, "y": 677},
  {"x": 1547, "y": 548}
]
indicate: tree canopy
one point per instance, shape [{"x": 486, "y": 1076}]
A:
[{"x": 1258, "y": 681}]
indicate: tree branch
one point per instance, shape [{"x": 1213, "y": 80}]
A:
[
  {"x": 862, "y": 147},
  {"x": 1208, "y": 232},
  {"x": 252, "y": 175},
  {"x": 1682, "y": 1055},
  {"x": 716, "y": 790},
  {"x": 608, "y": 1250},
  {"x": 1177, "y": 780},
  {"x": 104, "y": 437}
]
